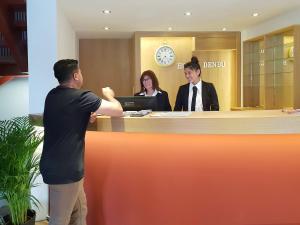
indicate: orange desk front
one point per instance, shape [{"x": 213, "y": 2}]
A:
[{"x": 169, "y": 179}]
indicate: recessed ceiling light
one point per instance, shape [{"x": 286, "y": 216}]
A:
[
  {"x": 255, "y": 14},
  {"x": 106, "y": 28},
  {"x": 224, "y": 29},
  {"x": 170, "y": 28},
  {"x": 106, "y": 11},
  {"x": 187, "y": 13}
]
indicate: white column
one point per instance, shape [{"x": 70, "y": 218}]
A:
[
  {"x": 42, "y": 50},
  {"x": 66, "y": 37},
  {"x": 42, "y": 54}
]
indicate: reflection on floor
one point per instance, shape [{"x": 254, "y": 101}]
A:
[{"x": 41, "y": 223}]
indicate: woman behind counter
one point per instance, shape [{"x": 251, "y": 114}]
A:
[
  {"x": 150, "y": 87},
  {"x": 196, "y": 95}
]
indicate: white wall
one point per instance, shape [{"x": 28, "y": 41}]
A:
[
  {"x": 77, "y": 47},
  {"x": 14, "y": 98},
  {"x": 66, "y": 37},
  {"x": 50, "y": 38},
  {"x": 14, "y": 102},
  {"x": 42, "y": 50},
  {"x": 276, "y": 23}
]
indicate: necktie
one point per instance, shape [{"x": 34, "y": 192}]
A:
[{"x": 194, "y": 98}]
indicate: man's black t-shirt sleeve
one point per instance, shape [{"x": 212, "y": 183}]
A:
[{"x": 89, "y": 102}]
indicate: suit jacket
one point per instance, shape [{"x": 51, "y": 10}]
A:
[
  {"x": 209, "y": 97},
  {"x": 163, "y": 103}
]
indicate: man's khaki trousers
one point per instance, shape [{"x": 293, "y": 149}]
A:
[{"x": 67, "y": 204}]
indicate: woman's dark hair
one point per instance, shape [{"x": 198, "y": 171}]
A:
[
  {"x": 151, "y": 74},
  {"x": 64, "y": 69},
  {"x": 193, "y": 64}
]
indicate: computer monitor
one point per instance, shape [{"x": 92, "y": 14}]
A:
[{"x": 137, "y": 103}]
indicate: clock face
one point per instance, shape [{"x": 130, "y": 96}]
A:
[{"x": 164, "y": 56}]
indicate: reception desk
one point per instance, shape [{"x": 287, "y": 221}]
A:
[
  {"x": 195, "y": 179},
  {"x": 210, "y": 168},
  {"x": 231, "y": 122}
]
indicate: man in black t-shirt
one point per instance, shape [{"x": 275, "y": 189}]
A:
[{"x": 66, "y": 115}]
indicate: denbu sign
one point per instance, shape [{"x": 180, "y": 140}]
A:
[{"x": 214, "y": 64}]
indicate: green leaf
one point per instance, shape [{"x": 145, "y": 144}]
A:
[{"x": 19, "y": 166}]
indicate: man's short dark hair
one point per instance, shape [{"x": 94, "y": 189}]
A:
[{"x": 64, "y": 69}]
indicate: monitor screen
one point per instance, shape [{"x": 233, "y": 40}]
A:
[{"x": 137, "y": 103}]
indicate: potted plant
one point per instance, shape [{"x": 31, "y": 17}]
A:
[{"x": 19, "y": 167}]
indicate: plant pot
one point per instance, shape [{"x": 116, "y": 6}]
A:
[{"x": 31, "y": 218}]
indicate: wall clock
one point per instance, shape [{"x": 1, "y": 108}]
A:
[{"x": 164, "y": 55}]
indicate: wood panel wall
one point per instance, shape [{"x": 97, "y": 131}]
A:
[
  {"x": 107, "y": 62},
  {"x": 170, "y": 78},
  {"x": 118, "y": 63},
  {"x": 223, "y": 78},
  {"x": 297, "y": 67},
  {"x": 214, "y": 41}
]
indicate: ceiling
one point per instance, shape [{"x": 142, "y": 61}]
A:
[{"x": 129, "y": 16}]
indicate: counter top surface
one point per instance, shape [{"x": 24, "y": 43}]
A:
[
  {"x": 219, "y": 114},
  {"x": 229, "y": 122}
]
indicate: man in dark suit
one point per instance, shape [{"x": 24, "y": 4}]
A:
[{"x": 197, "y": 95}]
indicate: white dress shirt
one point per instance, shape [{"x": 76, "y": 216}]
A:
[
  {"x": 154, "y": 93},
  {"x": 199, "y": 105}
]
